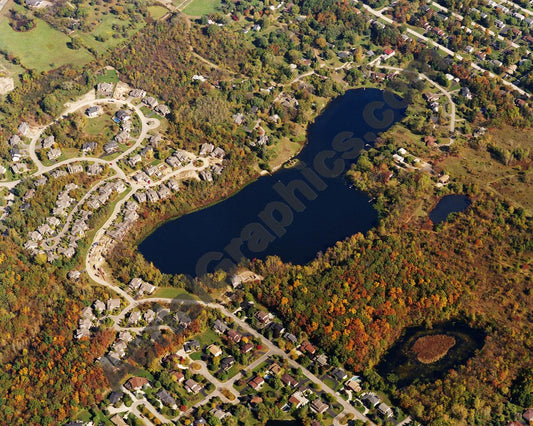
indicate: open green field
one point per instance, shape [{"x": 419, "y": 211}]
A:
[
  {"x": 110, "y": 76},
  {"x": 157, "y": 12},
  {"x": 104, "y": 37},
  {"x": 42, "y": 48},
  {"x": 198, "y": 7},
  {"x": 173, "y": 293}
]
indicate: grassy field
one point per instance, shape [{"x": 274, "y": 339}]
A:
[
  {"x": 42, "y": 48},
  {"x": 512, "y": 182},
  {"x": 173, "y": 293},
  {"x": 110, "y": 76},
  {"x": 105, "y": 32},
  {"x": 198, "y": 7},
  {"x": 157, "y": 12}
]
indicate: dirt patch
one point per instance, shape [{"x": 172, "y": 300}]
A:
[
  {"x": 429, "y": 349},
  {"x": 7, "y": 84}
]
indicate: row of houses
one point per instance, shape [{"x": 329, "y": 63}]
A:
[{"x": 160, "y": 193}]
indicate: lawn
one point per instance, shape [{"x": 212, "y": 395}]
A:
[
  {"x": 208, "y": 337},
  {"x": 199, "y": 7},
  {"x": 42, "y": 48},
  {"x": 110, "y": 76},
  {"x": 173, "y": 293},
  {"x": 157, "y": 12},
  {"x": 101, "y": 125}
]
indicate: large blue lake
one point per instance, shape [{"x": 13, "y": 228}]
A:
[{"x": 294, "y": 213}]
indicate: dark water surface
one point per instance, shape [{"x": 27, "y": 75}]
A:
[
  {"x": 448, "y": 204},
  {"x": 294, "y": 213},
  {"x": 402, "y": 363}
]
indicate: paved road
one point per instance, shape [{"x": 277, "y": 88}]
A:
[{"x": 388, "y": 20}]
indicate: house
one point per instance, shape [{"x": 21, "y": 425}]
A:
[
  {"x": 321, "y": 360},
  {"x": 122, "y": 137},
  {"x": 116, "y": 419},
  {"x": 371, "y": 400},
  {"x": 150, "y": 101},
  {"x": 297, "y": 399},
  {"x": 135, "y": 283},
  {"x": 134, "y": 160},
  {"x": 92, "y": 111},
  {"x": 353, "y": 384},
  {"x": 275, "y": 369},
  {"x": 388, "y": 53},
  {"x": 206, "y": 175},
  {"x": 99, "y": 306},
  {"x": 248, "y": 347},
  {"x": 111, "y": 147},
  {"x": 183, "y": 319},
  {"x": 339, "y": 374},
  {"x": 163, "y": 192},
  {"x": 227, "y": 363},
  {"x": 192, "y": 387},
  {"x": 47, "y": 142},
  {"x": 319, "y": 407},
  {"x": 74, "y": 276},
  {"x": 140, "y": 197},
  {"x": 206, "y": 148},
  {"x": 146, "y": 288},
  {"x": 219, "y": 414},
  {"x": 307, "y": 348},
  {"x": 384, "y": 410},
  {"x": 134, "y": 318},
  {"x": 288, "y": 380},
  {"x": 162, "y": 109},
  {"x": 3, "y": 170},
  {"x": 214, "y": 350},
  {"x": 113, "y": 304},
  {"x": 528, "y": 415},
  {"x": 166, "y": 399},
  {"x": 105, "y": 89},
  {"x": 136, "y": 383},
  {"x": 218, "y": 153},
  {"x": 19, "y": 168},
  {"x": 234, "y": 336},
  {"x": 149, "y": 316},
  {"x": 444, "y": 179},
  {"x": 33, "y": 3},
  {"x": 94, "y": 169},
  {"x": 147, "y": 151},
  {"x": 191, "y": 346},
  {"x": 465, "y": 91},
  {"x": 256, "y": 383},
  {"x": 263, "y": 317},
  {"x": 54, "y": 153},
  {"x": 123, "y": 115},
  {"x": 14, "y": 140},
  {"x": 277, "y": 329},
  {"x": 74, "y": 168},
  {"x": 291, "y": 338},
  {"x": 115, "y": 397},
  {"x": 469, "y": 49},
  {"x": 23, "y": 128},
  {"x": 155, "y": 140},
  {"x": 137, "y": 93},
  {"x": 178, "y": 376},
  {"x": 220, "y": 327}
]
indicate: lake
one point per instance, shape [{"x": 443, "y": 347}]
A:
[
  {"x": 401, "y": 362},
  {"x": 294, "y": 213},
  {"x": 448, "y": 204}
]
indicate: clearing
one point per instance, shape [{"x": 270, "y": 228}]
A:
[
  {"x": 198, "y": 7},
  {"x": 42, "y": 48}
]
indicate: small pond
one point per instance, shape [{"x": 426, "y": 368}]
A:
[
  {"x": 448, "y": 204},
  {"x": 412, "y": 358}
]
